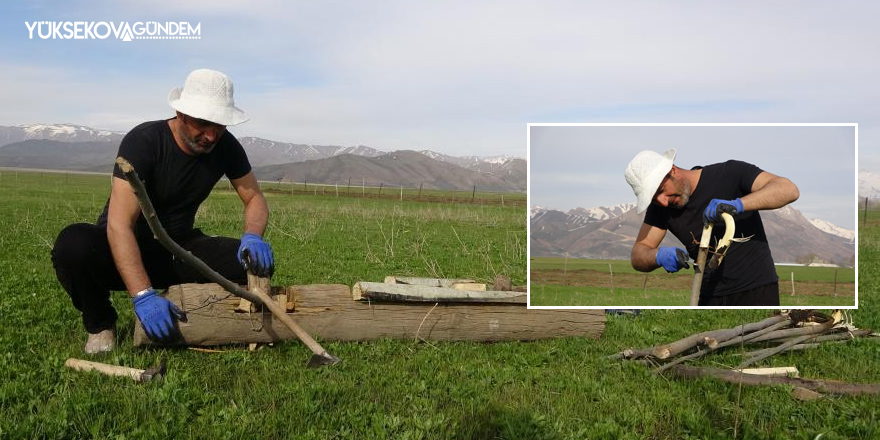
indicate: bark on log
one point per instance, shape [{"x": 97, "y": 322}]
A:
[
  {"x": 713, "y": 337},
  {"x": 822, "y": 386},
  {"x": 416, "y": 293},
  {"x": 328, "y": 312}
]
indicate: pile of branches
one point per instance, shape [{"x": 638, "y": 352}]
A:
[{"x": 787, "y": 331}]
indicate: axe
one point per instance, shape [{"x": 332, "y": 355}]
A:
[
  {"x": 156, "y": 372},
  {"x": 720, "y": 251}
]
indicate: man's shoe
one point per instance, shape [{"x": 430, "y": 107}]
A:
[{"x": 101, "y": 342}]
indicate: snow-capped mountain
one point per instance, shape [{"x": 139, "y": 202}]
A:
[
  {"x": 261, "y": 152},
  {"x": 581, "y": 215},
  {"x": 601, "y": 213},
  {"x": 265, "y": 152},
  {"x": 469, "y": 161},
  {"x": 833, "y": 229},
  {"x": 56, "y": 132}
]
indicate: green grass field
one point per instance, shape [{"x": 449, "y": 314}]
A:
[
  {"x": 583, "y": 282},
  {"x": 553, "y": 389}
]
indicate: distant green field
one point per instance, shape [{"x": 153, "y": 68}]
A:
[{"x": 586, "y": 282}]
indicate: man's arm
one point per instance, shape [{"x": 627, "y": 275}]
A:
[
  {"x": 254, "y": 253},
  {"x": 121, "y": 217},
  {"x": 256, "y": 210},
  {"x": 770, "y": 191},
  {"x": 644, "y": 251}
]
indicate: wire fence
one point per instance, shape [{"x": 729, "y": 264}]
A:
[{"x": 364, "y": 188}]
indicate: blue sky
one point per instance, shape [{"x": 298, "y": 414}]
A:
[{"x": 458, "y": 77}]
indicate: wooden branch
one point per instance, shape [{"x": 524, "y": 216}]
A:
[
  {"x": 416, "y": 293},
  {"x": 713, "y": 337},
  {"x": 772, "y": 371},
  {"x": 835, "y": 334},
  {"x": 321, "y": 357},
  {"x": 737, "y": 340},
  {"x": 791, "y": 333},
  {"x": 822, "y": 386},
  {"x": 781, "y": 348},
  {"x": 630, "y": 353},
  {"x": 842, "y": 337}
]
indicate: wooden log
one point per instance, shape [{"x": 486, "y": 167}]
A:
[
  {"x": 417, "y": 293},
  {"x": 822, "y": 386},
  {"x": 328, "y": 312}
]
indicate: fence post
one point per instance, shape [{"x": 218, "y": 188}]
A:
[
  {"x": 565, "y": 271},
  {"x": 401, "y": 193},
  {"x": 865, "y": 217},
  {"x": 645, "y": 287},
  {"x": 474, "y": 194},
  {"x": 420, "y": 190},
  {"x": 792, "y": 284},
  {"x": 337, "y": 189},
  {"x": 348, "y": 191},
  {"x": 380, "y": 189},
  {"x": 612, "y": 278},
  {"x": 835, "y": 283}
]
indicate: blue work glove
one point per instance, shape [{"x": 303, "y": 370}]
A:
[
  {"x": 716, "y": 207},
  {"x": 157, "y": 315},
  {"x": 256, "y": 255},
  {"x": 672, "y": 259}
]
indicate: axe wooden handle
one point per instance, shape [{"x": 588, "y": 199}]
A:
[
  {"x": 700, "y": 265},
  {"x": 110, "y": 370}
]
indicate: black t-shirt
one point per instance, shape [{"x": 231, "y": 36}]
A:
[
  {"x": 747, "y": 265},
  {"x": 176, "y": 182}
]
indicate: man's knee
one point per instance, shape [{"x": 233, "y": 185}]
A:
[{"x": 76, "y": 245}]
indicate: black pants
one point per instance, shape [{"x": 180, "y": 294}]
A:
[
  {"x": 86, "y": 270},
  {"x": 760, "y": 296}
]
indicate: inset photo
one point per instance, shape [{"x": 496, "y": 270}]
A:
[{"x": 631, "y": 216}]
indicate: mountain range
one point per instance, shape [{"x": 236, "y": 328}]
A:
[
  {"x": 609, "y": 233},
  {"x": 79, "y": 148}
]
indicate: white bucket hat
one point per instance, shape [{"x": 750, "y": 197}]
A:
[
  {"x": 207, "y": 94},
  {"x": 645, "y": 173}
]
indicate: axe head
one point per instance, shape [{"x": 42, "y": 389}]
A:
[
  {"x": 155, "y": 372},
  {"x": 323, "y": 359}
]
